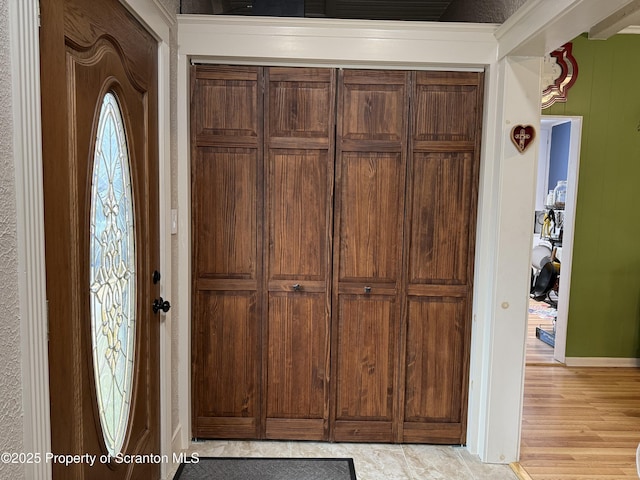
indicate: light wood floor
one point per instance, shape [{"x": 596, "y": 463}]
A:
[
  {"x": 578, "y": 423},
  {"x": 538, "y": 352}
]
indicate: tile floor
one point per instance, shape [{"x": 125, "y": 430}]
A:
[{"x": 372, "y": 461}]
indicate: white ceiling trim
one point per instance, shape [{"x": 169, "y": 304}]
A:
[
  {"x": 336, "y": 42},
  {"x": 623, "y": 18},
  {"x": 541, "y": 26}
]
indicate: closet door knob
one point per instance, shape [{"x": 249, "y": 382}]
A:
[
  {"x": 296, "y": 287},
  {"x": 367, "y": 289}
]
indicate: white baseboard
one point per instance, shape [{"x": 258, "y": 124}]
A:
[{"x": 602, "y": 362}]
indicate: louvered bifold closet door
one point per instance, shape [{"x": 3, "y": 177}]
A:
[
  {"x": 227, "y": 217},
  {"x": 299, "y": 158},
  {"x": 444, "y": 157},
  {"x": 369, "y": 211}
]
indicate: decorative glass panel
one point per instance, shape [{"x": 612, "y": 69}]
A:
[{"x": 112, "y": 281}]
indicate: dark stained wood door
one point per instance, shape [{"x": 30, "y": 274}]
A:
[
  {"x": 263, "y": 154},
  {"x": 299, "y": 157},
  {"x": 440, "y": 231},
  {"x": 90, "y": 52},
  {"x": 332, "y": 291},
  {"x": 373, "y": 114},
  {"x": 227, "y": 226}
]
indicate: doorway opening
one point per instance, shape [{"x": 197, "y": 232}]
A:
[{"x": 552, "y": 243}]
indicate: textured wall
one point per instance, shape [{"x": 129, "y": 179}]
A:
[
  {"x": 10, "y": 367},
  {"x": 172, "y": 6},
  {"x": 480, "y": 11},
  {"x": 197, "y": 6}
]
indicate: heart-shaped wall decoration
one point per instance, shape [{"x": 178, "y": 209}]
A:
[{"x": 522, "y": 136}]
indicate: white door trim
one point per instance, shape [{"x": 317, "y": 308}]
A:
[
  {"x": 573, "y": 168},
  {"x": 27, "y": 150}
]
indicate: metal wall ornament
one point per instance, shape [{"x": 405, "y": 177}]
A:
[
  {"x": 523, "y": 136},
  {"x": 559, "y": 73}
]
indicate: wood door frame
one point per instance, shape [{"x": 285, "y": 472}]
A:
[{"x": 25, "y": 55}]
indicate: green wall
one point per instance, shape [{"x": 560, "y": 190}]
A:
[{"x": 604, "y": 309}]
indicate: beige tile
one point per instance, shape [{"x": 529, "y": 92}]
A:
[
  {"x": 451, "y": 463},
  {"x": 379, "y": 461},
  {"x": 435, "y": 462},
  {"x": 242, "y": 448},
  {"x": 372, "y": 461}
]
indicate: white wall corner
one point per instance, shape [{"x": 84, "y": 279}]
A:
[
  {"x": 518, "y": 103},
  {"x": 486, "y": 238}
]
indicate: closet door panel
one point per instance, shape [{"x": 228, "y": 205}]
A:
[
  {"x": 435, "y": 362},
  {"x": 366, "y": 331},
  {"x": 370, "y": 193},
  {"x": 444, "y": 156},
  {"x": 296, "y": 356},
  {"x": 299, "y": 138},
  {"x": 298, "y": 220},
  {"x": 224, "y": 106},
  {"x": 226, "y": 355},
  {"x": 366, "y": 339},
  {"x": 447, "y": 107},
  {"x": 225, "y": 213},
  {"x": 440, "y": 220},
  {"x": 373, "y": 109},
  {"x": 227, "y": 218},
  {"x": 371, "y": 200},
  {"x": 300, "y": 101},
  {"x": 435, "y": 372}
]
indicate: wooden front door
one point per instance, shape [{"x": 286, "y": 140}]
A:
[{"x": 99, "y": 113}]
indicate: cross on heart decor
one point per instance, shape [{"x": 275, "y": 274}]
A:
[{"x": 522, "y": 136}]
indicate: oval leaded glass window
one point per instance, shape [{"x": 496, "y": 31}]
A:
[{"x": 112, "y": 275}]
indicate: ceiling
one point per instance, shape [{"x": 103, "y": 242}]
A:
[{"x": 494, "y": 11}]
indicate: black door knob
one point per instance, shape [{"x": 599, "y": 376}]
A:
[{"x": 161, "y": 304}]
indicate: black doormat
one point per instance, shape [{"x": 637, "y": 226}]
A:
[{"x": 253, "y": 468}]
